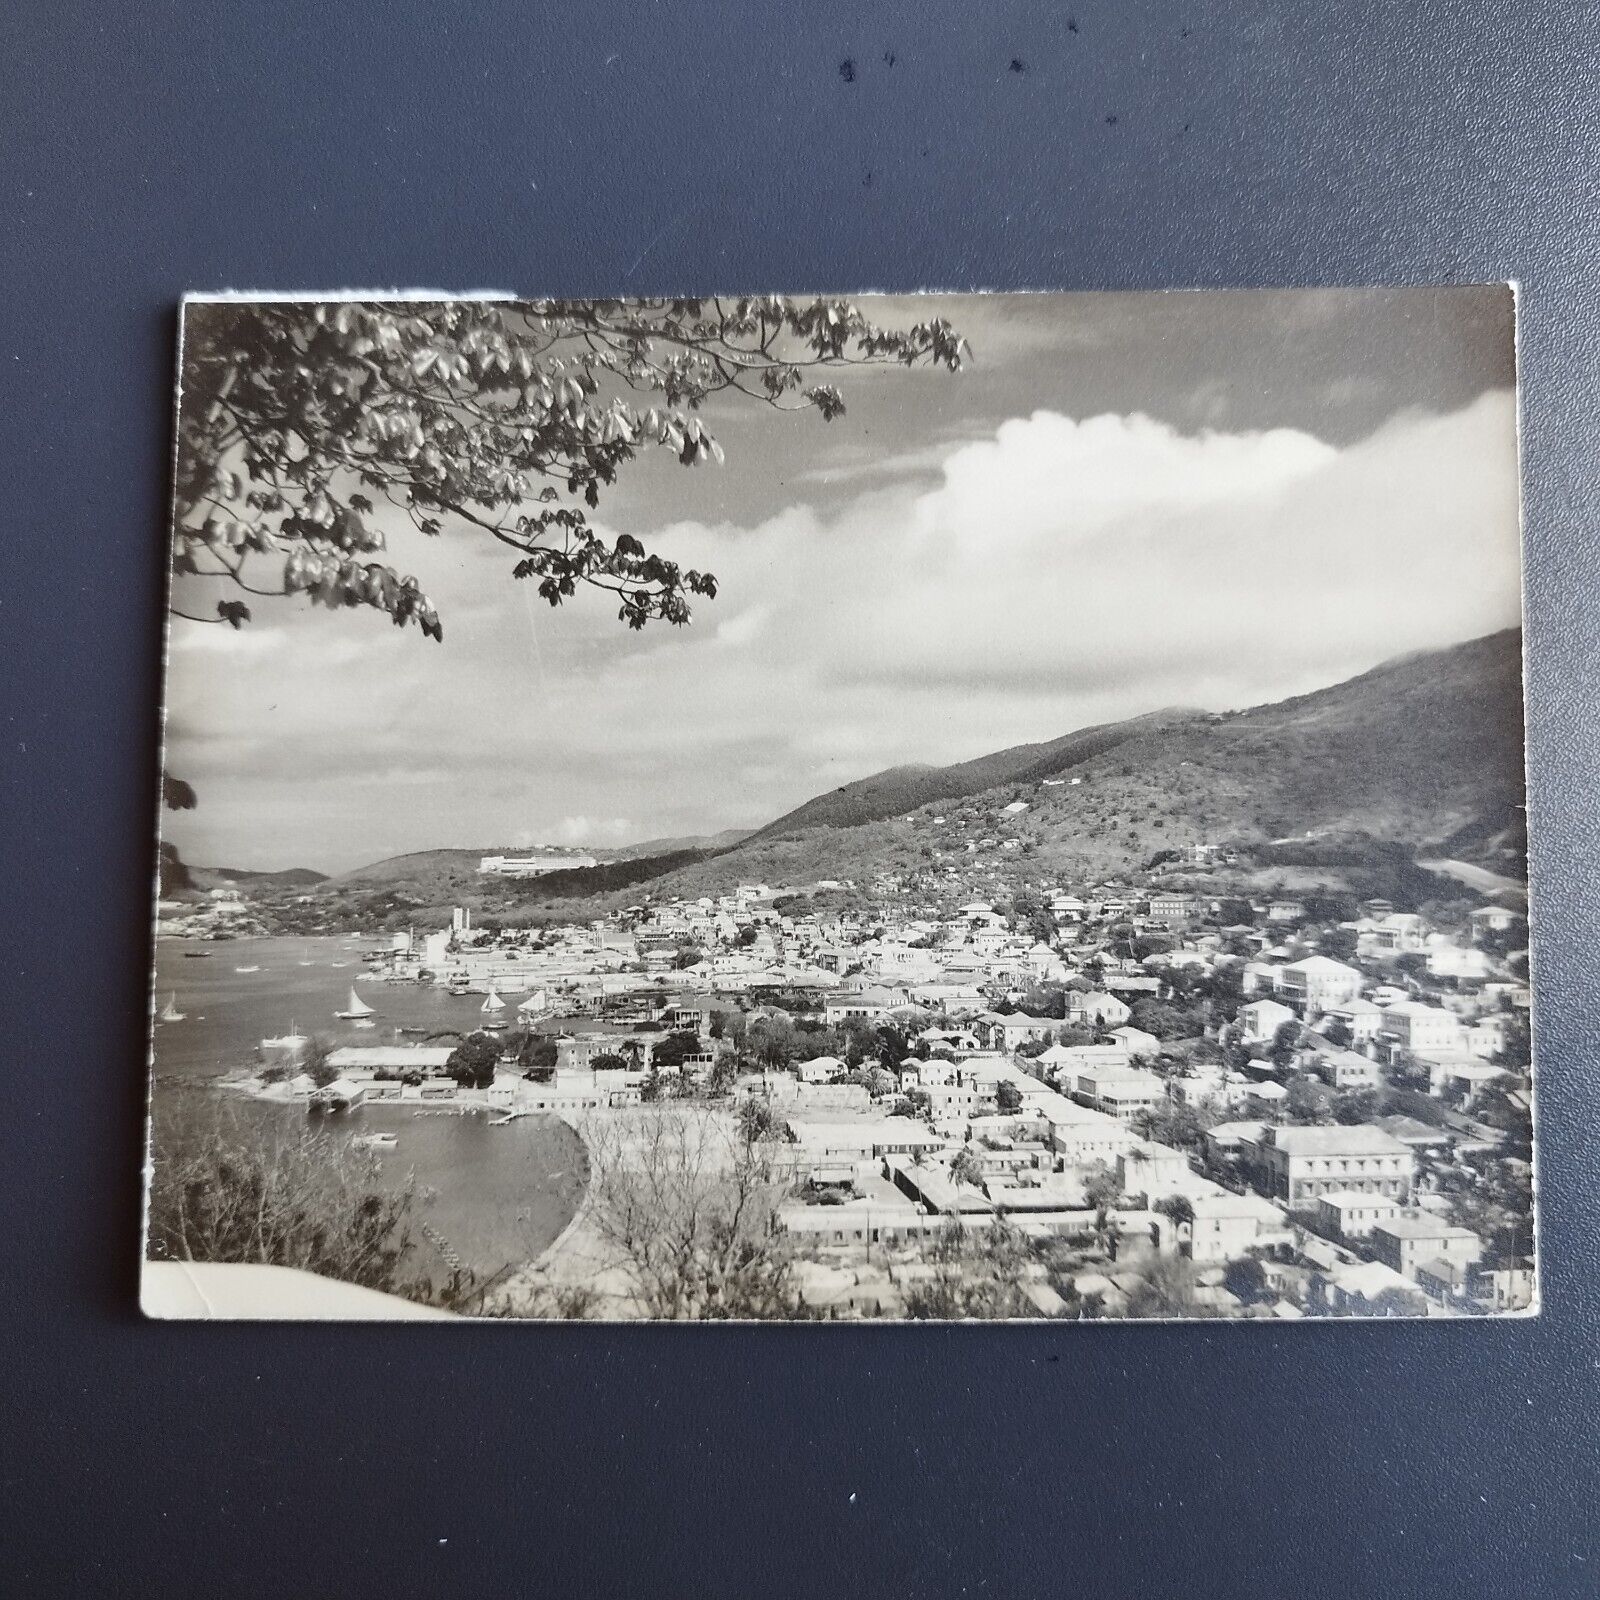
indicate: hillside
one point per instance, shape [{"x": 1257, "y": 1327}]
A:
[
  {"x": 662, "y": 847},
  {"x": 901, "y": 789},
  {"x": 178, "y": 880},
  {"x": 1420, "y": 756}
]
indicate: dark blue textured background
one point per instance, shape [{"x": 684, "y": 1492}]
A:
[{"x": 690, "y": 146}]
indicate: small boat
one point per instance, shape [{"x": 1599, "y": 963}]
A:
[
  {"x": 338, "y": 963},
  {"x": 305, "y": 963},
  {"x": 355, "y": 1006},
  {"x": 458, "y": 989},
  {"x": 170, "y": 1012},
  {"x": 247, "y": 969},
  {"x": 410, "y": 1030},
  {"x": 376, "y": 1141},
  {"x": 196, "y": 955},
  {"x": 364, "y": 1022}
]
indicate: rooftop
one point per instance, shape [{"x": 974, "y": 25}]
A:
[
  {"x": 1423, "y": 1227},
  {"x": 1359, "y": 1139}
]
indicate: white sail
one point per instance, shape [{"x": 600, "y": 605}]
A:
[
  {"x": 170, "y": 1011},
  {"x": 355, "y": 1006},
  {"x": 535, "y": 1002},
  {"x": 494, "y": 1002}
]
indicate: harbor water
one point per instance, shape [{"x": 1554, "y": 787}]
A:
[{"x": 490, "y": 1196}]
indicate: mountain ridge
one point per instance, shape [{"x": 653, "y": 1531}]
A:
[{"x": 1422, "y": 754}]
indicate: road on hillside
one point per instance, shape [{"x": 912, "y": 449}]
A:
[{"x": 1479, "y": 878}]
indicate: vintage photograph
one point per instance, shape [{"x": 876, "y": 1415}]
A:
[{"x": 882, "y": 808}]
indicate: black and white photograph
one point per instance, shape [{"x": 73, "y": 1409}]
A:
[{"x": 866, "y": 808}]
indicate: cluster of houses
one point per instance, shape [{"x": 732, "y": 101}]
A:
[{"x": 997, "y": 1112}]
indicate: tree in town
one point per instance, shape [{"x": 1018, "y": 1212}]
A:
[
  {"x": 967, "y": 1168},
  {"x": 534, "y": 1053},
  {"x": 1308, "y": 1101},
  {"x": 675, "y": 1048},
  {"x": 1102, "y": 1190},
  {"x": 1285, "y": 1042},
  {"x": 1397, "y": 1302},
  {"x": 1516, "y": 1054},
  {"x": 1180, "y": 1125},
  {"x": 975, "y": 1274},
  {"x": 1030, "y": 915},
  {"x": 315, "y": 1063},
  {"x": 892, "y": 1044},
  {"x": 1008, "y": 1097},
  {"x": 1356, "y": 1106},
  {"x": 1165, "y": 1287},
  {"x": 1178, "y": 1207},
  {"x": 722, "y": 1076},
  {"x": 1246, "y": 1280},
  {"x": 682, "y": 1203},
  {"x": 758, "y": 1122},
  {"x": 608, "y": 1061},
  {"x": 309, "y": 1200},
  {"x": 772, "y": 1042},
  {"x": 1166, "y": 1020},
  {"x": 473, "y": 1062},
  {"x": 1337, "y": 1032},
  {"x": 1045, "y": 1000}
]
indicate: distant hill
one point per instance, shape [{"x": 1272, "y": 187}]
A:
[
  {"x": 661, "y": 847},
  {"x": 246, "y": 877},
  {"x": 901, "y": 789},
  {"x": 178, "y": 878},
  {"x": 1420, "y": 757},
  {"x": 1423, "y": 754},
  {"x": 416, "y": 866}
]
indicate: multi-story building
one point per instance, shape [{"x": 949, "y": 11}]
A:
[
  {"x": 1409, "y": 1242},
  {"x": 1120, "y": 1092},
  {"x": 1300, "y": 1165},
  {"x": 1412, "y": 1025},
  {"x": 1354, "y": 1216},
  {"x": 1316, "y": 984}
]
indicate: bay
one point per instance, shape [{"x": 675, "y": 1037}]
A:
[{"x": 492, "y": 1196}]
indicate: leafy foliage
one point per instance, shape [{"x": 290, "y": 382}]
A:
[
  {"x": 309, "y": 1202},
  {"x": 472, "y": 1063},
  {"x": 299, "y": 420}
]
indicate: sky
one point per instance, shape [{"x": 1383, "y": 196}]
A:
[{"x": 1124, "y": 502}]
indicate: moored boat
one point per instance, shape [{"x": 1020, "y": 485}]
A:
[{"x": 355, "y": 1006}]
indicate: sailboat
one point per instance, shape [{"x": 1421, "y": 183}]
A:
[
  {"x": 170, "y": 1012},
  {"x": 493, "y": 1003},
  {"x": 535, "y": 1005},
  {"x": 355, "y": 1006}
]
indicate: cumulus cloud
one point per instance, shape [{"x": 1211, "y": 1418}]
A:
[{"x": 1057, "y": 573}]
